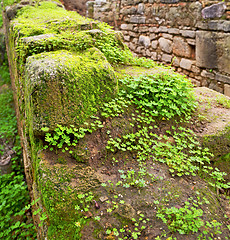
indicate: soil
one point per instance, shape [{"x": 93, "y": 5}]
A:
[{"x": 98, "y": 166}]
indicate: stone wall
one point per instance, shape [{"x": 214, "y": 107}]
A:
[{"x": 192, "y": 36}]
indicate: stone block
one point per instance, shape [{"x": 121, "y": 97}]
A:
[
  {"x": 154, "y": 44},
  {"x": 168, "y": 36},
  {"x": 166, "y": 58},
  {"x": 188, "y": 33},
  {"x": 165, "y": 45},
  {"x": 227, "y": 90},
  {"x": 214, "y": 11},
  {"x": 163, "y": 29},
  {"x": 191, "y": 41},
  {"x": 215, "y": 86},
  {"x": 154, "y": 56},
  {"x": 137, "y": 19},
  {"x": 143, "y": 29},
  {"x": 173, "y": 31},
  {"x": 207, "y": 74},
  {"x": 141, "y": 8},
  {"x": 181, "y": 47},
  {"x": 206, "y": 52},
  {"x": 222, "y": 78},
  {"x": 127, "y": 38},
  {"x": 153, "y": 29},
  {"x": 213, "y": 50},
  {"x": 153, "y": 36},
  {"x": 144, "y": 41},
  {"x": 127, "y": 27},
  {"x": 186, "y": 64}
]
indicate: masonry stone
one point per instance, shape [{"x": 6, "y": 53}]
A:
[
  {"x": 165, "y": 45},
  {"x": 168, "y": 36},
  {"x": 137, "y": 19},
  {"x": 186, "y": 64},
  {"x": 216, "y": 87},
  {"x": 181, "y": 48},
  {"x": 152, "y": 29},
  {"x": 207, "y": 74},
  {"x": 163, "y": 29},
  {"x": 206, "y": 52},
  {"x": 188, "y": 33},
  {"x": 154, "y": 56},
  {"x": 166, "y": 58},
  {"x": 222, "y": 78},
  {"x": 152, "y": 36},
  {"x": 173, "y": 31},
  {"x": 214, "y": 11},
  {"x": 144, "y": 40},
  {"x": 227, "y": 90},
  {"x": 154, "y": 44},
  {"x": 141, "y": 8},
  {"x": 126, "y": 26}
]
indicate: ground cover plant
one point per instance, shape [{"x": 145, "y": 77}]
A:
[
  {"x": 14, "y": 195},
  {"x": 145, "y": 144},
  {"x": 129, "y": 170}
]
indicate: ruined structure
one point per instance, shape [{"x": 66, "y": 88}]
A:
[
  {"x": 192, "y": 36},
  {"x": 110, "y": 141}
]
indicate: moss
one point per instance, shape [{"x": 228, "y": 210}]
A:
[{"x": 67, "y": 88}]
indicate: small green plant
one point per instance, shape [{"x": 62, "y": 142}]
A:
[
  {"x": 185, "y": 220},
  {"x": 166, "y": 94}
]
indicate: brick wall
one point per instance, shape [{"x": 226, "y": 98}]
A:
[{"x": 192, "y": 36}]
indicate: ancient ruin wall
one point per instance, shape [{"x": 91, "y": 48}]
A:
[{"x": 192, "y": 36}]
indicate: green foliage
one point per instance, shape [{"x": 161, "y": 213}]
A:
[
  {"x": 166, "y": 94},
  {"x": 8, "y": 123},
  {"x": 185, "y": 220},
  {"x": 13, "y": 197}
]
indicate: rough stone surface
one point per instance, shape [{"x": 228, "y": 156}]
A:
[
  {"x": 154, "y": 44},
  {"x": 144, "y": 41},
  {"x": 181, "y": 48},
  {"x": 207, "y": 74},
  {"x": 227, "y": 90},
  {"x": 206, "y": 53},
  {"x": 165, "y": 45},
  {"x": 126, "y": 27},
  {"x": 186, "y": 64},
  {"x": 188, "y": 33},
  {"x": 214, "y": 11},
  {"x": 166, "y": 58},
  {"x": 222, "y": 78}
]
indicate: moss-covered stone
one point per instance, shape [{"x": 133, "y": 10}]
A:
[{"x": 66, "y": 88}]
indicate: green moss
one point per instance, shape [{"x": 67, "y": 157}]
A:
[{"x": 67, "y": 88}]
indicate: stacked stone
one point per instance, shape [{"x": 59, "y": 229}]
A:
[{"x": 192, "y": 36}]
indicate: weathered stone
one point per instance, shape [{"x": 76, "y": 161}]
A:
[
  {"x": 168, "y": 36},
  {"x": 214, "y": 11},
  {"x": 154, "y": 44},
  {"x": 153, "y": 36},
  {"x": 126, "y": 27},
  {"x": 148, "y": 53},
  {"x": 141, "y": 8},
  {"x": 195, "y": 69},
  {"x": 137, "y": 19},
  {"x": 154, "y": 56},
  {"x": 133, "y": 34},
  {"x": 127, "y": 38},
  {"x": 207, "y": 74},
  {"x": 37, "y": 38},
  {"x": 191, "y": 41},
  {"x": 153, "y": 29},
  {"x": 181, "y": 48},
  {"x": 165, "y": 45},
  {"x": 170, "y": 1},
  {"x": 144, "y": 40},
  {"x": 216, "y": 87},
  {"x": 222, "y": 78},
  {"x": 213, "y": 50},
  {"x": 166, "y": 58},
  {"x": 227, "y": 90},
  {"x": 163, "y": 29},
  {"x": 173, "y": 31},
  {"x": 188, "y": 33},
  {"x": 206, "y": 54},
  {"x": 176, "y": 62},
  {"x": 143, "y": 29},
  {"x": 186, "y": 64}
]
